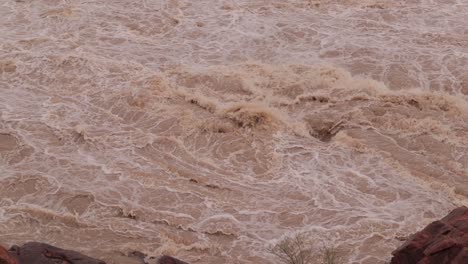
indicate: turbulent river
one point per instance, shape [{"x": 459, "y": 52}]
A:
[{"x": 210, "y": 130}]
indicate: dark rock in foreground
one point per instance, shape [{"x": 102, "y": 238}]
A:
[
  {"x": 169, "y": 260},
  {"x": 441, "y": 242},
  {"x": 6, "y": 258},
  {"x": 40, "y": 253}
]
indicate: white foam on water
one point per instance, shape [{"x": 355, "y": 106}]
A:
[{"x": 210, "y": 130}]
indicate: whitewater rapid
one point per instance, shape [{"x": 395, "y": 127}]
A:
[{"x": 210, "y": 130}]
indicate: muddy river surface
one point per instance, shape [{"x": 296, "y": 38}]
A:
[{"x": 210, "y": 130}]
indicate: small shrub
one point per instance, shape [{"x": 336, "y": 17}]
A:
[
  {"x": 329, "y": 255},
  {"x": 296, "y": 250},
  {"x": 293, "y": 250}
]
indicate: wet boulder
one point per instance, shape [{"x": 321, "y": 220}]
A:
[
  {"x": 170, "y": 260},
  {"x": 442, "y": 242},
  {"x": 40, "y": 253},
  {"x": 6, "y": 257}
]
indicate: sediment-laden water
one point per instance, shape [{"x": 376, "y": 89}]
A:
[{"x": 210, "y": 130}]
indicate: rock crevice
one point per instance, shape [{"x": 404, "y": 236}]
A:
[{"x": 442, "y": 242}]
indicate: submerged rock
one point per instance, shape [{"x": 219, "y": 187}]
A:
[
  {"x": 441, "y": 242},
  {"x": 170, "y": 260},
  {"x": 139, "y": 256},
  {"x": 40, "y": 253}
]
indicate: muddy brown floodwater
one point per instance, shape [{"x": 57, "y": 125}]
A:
[{"x": 209, "y": 130}]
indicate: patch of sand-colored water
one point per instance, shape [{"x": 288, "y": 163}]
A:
[{"x": 209, "y": 130}]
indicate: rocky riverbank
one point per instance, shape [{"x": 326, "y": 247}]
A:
[
  {"x": 442, "y": 242},
  {"x": 41, "y": 253}
]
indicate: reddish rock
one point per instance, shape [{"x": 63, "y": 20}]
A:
[
  {"x": 441, "y": 242},
  {"x": 40, "y": 253},
  {"x": 6, "y": 258},
  {"x": 170, "y": 260}
]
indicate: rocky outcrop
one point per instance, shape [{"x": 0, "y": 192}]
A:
[
  {"x": 40, "y": 253},
  {"x": 170, "y": 260},
  {"x": 441, "y": 242},
  {"x": 6, "y": 258}
]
